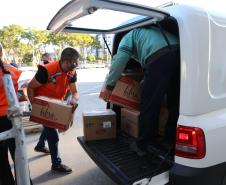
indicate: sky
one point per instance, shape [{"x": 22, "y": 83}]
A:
[
  {"x": 35, "y": 13},
  {"x": 29, "y": 13},
  {"x": 38, "y": 13}
]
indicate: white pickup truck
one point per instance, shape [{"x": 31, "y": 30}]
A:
[{"x": 200, "y": 156}]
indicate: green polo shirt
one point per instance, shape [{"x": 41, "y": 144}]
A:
[{"x": 139, "y": 44}]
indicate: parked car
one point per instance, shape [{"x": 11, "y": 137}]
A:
[
  {"x": 25, "y": 77},
  {"x": 200, "y": 141}
]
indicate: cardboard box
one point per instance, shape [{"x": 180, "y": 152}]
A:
[
  {"x": 130, "y": 121},
  {"x": 101, "y": 95},
  {"x": 99, "y": 124},
  {"x": 51, "y": 113},
  {"x": 126, "y": 93},
  {"x": 137, "y": 76}
]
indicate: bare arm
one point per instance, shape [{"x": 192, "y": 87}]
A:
[
  {"x": 33, "y": 84},
  {"x": 74, "y": 91}
]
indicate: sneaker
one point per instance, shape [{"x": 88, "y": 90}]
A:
[
  {"x": 42, "y": 149},
  {"x": 61, "y": 168}
]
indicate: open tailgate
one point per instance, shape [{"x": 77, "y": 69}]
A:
[{"x": 116, "y": 158}]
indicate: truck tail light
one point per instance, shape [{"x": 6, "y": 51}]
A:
[{"x": 190, "y": 142}]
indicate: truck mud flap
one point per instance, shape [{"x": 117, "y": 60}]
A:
[{"x": 122, "y": 164}]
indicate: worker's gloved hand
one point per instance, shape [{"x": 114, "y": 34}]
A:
[
  {"x": 72, "y": 101},
  {"x": 74, "y": 107}
]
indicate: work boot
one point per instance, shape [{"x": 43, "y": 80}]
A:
[
  {"x": 61, "y": 168},
  {"x": 42, "y": 149}
]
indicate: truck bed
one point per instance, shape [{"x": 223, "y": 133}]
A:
[{"x": 116, "y": 158}]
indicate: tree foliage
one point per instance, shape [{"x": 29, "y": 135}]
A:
[{"x": 23, "y": 45}]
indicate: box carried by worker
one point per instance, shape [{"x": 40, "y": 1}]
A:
[
  {"x": 137, "y": 75},
  {"x": 52, "y": 113},
  {"x": 126, "y": 93},
  {"x": 99, "y": 124}
]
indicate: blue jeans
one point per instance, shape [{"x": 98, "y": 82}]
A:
[
  {"x": 52, "y": 137},
  {"x": 42, "y": 139},
  {"x": 161, "y": 78}
]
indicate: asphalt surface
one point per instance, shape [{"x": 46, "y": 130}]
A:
[{"x": 85, "y": 171}]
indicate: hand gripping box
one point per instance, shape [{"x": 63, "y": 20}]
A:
[
  {"x": 99, "y": 124},
  {"x": 51, "y": 112},
  {"x": 126, "y": 93},
  {"x": 136, "y": 76}
]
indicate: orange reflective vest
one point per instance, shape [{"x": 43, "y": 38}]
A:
[
  {"x": 58, "y": 81},
  {"x": 15, "y": 74}
]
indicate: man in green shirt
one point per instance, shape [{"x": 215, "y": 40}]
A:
[{"x": 157, "y": 52}]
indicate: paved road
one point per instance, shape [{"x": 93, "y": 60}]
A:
[{"x": 85, "y": 172}]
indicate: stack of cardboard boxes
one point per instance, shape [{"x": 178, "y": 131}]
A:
[
  {"x": 99, "y": 124},
  {"x": 126, "y": 94},
  {"x": 102, "y": 124}
]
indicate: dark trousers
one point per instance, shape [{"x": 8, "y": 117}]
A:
[
  {"x": 160, "y": 77},
  {"x": 6, "y": 176},
  {"x": 173, "y": 100},
  {"x": 42, "y": 139},
  {"x": 52, "y": 137}
]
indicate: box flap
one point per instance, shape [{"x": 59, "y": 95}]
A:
[{"x": 101, "y": 112}]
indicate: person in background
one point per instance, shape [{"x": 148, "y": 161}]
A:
[
  {"x": 52, "y": 80},
  {"x": 46, "y": 59},
  {"x": 157, "y": 52},
  {"x": 6, "y": 176},
  {"x": 40, "y": 147}
]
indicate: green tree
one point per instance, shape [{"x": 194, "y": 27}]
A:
[
  {"x": 23, "y": 51},
  {"x": 91, "y": 58},
  {"x": 20, "y": 44},
  {"x": 10, "y": 37},
  {"x": 80, "y": 40}
]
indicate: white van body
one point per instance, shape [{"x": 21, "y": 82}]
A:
[{"x": 202, "y": 35}]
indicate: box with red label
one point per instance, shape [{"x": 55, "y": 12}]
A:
[
  {"x": 136, "y": 76},
  {"x": 101, "y": 95},
  {"x": 99, "y": 124},
  {"x": 126, "y": 93},
  {"x": 51, "y": 113},
  {"x": 130, "y": 121}
]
